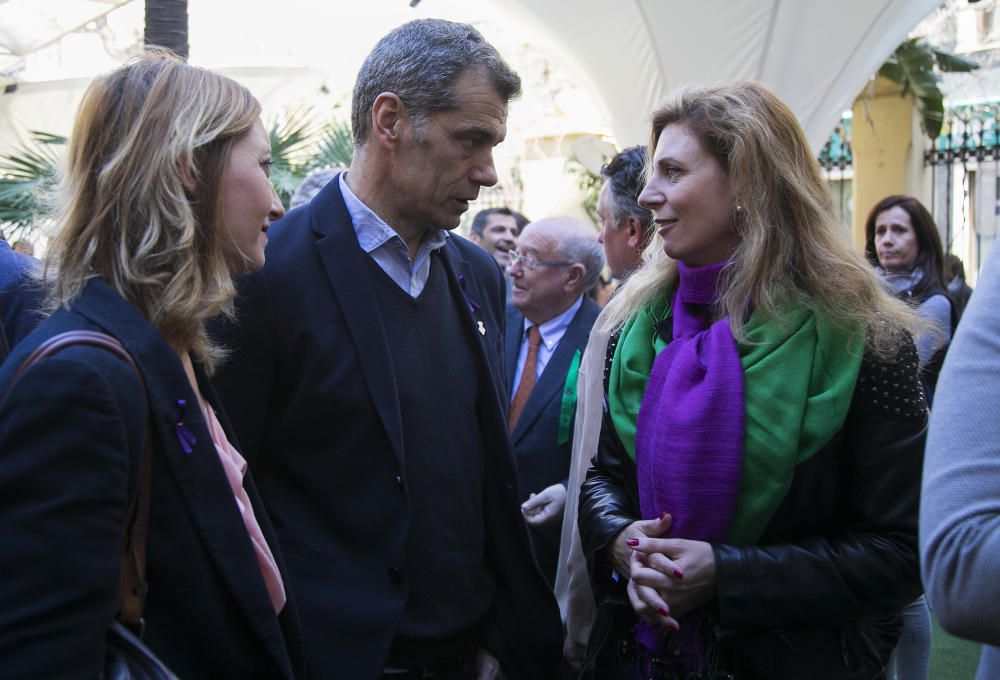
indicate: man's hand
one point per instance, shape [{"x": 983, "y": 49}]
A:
[
  {"x": 487, "y": 667},
  {"x": 575, "y": 653},
  {"x": 545, "y": 507},
  {"x": 620, "y": 553}
]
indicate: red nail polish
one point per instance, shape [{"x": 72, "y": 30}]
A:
[
  {"x": 678, "y": 574},
  {"x": 663, "y": 515},
  {"x": 673, "y": 627},
  {"x": 663, "y": 612},
  {"x": 632, "y": 542}
]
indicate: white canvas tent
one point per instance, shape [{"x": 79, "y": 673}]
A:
[
  {"x": 29, "y": 25},
  {"x": 816, "y": 54}
]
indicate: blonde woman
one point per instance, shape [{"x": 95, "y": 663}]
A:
[
  {"x": 751, "y": 512},
  {"x": 165, "y": 198}
]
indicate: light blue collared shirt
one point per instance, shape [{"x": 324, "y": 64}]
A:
[
  {"x": 552, "y": 331},
  {"x": 388, "y": 248}
]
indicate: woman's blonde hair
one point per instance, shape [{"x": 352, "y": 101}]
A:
[
  {"x": 791, "y": 250},
  {"x": 143, "y": 133}
]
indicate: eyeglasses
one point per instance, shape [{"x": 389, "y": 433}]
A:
[{"x": 528, "y": 262}]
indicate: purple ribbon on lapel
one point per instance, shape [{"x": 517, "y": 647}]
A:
[
  {"x": 473, "y": 305},
  {"x": 185, "y": 437}
]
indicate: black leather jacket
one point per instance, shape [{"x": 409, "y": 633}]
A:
[{"x": 819, "y": 595}]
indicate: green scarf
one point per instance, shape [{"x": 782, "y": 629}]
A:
[{"x": 799, "y": 374}]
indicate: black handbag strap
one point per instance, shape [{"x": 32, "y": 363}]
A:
[{"x": 132, "y": 588}]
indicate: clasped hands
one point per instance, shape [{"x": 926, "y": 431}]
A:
[{"x": 668, "y": 577}]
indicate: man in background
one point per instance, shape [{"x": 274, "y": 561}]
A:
[
  {"x": 550, "y": 317},
  {"x": 626, "y": 227},
  {"x": 495, "y": 231}
]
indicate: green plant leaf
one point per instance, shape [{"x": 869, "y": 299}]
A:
[
  {"x": 300, "y": 144},
  {"x": 931, "y": 111},
  {"x": 25, "y": 174},
  {"x": 893, "y": 71},
  {"x": 334, "y": 146},
  {"x": 952, "y": 63},
  {"x": 916, "y": 65}
]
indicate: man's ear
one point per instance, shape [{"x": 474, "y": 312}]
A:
[
  {"x": 634, "y": 227},
  {"x": 475, "y": 238},
  {"x": 388, "y": 118},
  {"x": 574, "y": 274}
]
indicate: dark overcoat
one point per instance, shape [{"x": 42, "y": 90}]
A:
[
  {"x": 312, "y": 393},
  {"x": 71, "y": 438}
]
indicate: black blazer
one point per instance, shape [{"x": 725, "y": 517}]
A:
[
  {"x": 312, "y": 393},
  {"x": 541, "y": 460},
  {"x": 71, "y": 436},
  {"x": 20, "y": 297}
]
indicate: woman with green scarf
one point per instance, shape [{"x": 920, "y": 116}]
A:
[{"x": 752, "y": 507}]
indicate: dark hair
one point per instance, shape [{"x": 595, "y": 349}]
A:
[
  {"x": 483, "y": 216},
  {"x": 626, "y": 173},
  {"x": 954, "y": 267},
  {"x": 521, "y": 220},
  {"x": 930, "y": 254},
  {"x": 420, "y": 62}
]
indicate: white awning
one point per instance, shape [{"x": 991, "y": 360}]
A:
[
  {"x": 816, "y": 55},
  {"x": 627, "y": 54},
  {"x": 29, "y": 25}
]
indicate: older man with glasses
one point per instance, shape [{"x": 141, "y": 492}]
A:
[{"x": 557, "y": 261}]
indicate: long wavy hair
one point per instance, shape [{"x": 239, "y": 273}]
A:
[
  {"x": 143, "y": 133},
  {"x": 930, "y": 253},
  {"x": 791, "y": 250}
]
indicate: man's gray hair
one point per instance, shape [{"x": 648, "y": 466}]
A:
[
  {"x": 420, "y": 62},
  {"x": 626, "y": 174},
  {"x": 589, "y": 253},
  {"x": 311, "y": 185}
]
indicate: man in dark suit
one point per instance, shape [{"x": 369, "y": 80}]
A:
[
  {"x": 368, "y": 391},
  {"x": 556, "y": 262}
]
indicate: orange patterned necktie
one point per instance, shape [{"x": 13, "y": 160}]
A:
[{"x": 527, "y": 377}]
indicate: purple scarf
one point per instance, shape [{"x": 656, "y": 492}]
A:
[{"x": 689, "y": 433}]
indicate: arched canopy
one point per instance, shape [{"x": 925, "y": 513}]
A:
[{"x": 815, "y": 55}]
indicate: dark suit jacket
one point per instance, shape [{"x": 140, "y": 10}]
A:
[
  {"x": 20, "y": 297},
  {"x": 71, "y": 437},
  {"x": 541, "y": 461},
  {"x": 312, "y": 392}
]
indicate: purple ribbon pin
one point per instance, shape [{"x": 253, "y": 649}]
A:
[
  {"x": 185, "y": 437},
  {"x": 473, "y": 305}
]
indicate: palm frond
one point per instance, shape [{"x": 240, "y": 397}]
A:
[
  {"x": 25, "y": 174},
  {"x": 916, "y": 65},
  {"x": 300, "y": 144},
  {"x": 334, "y": 146},
  {"x": 292, "y": 137}
]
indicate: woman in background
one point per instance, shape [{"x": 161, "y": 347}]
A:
[
  {"x": 751, "y": 511},
  {"x": 165, "y": 199},
  {"x": 902, "y": 243}
]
